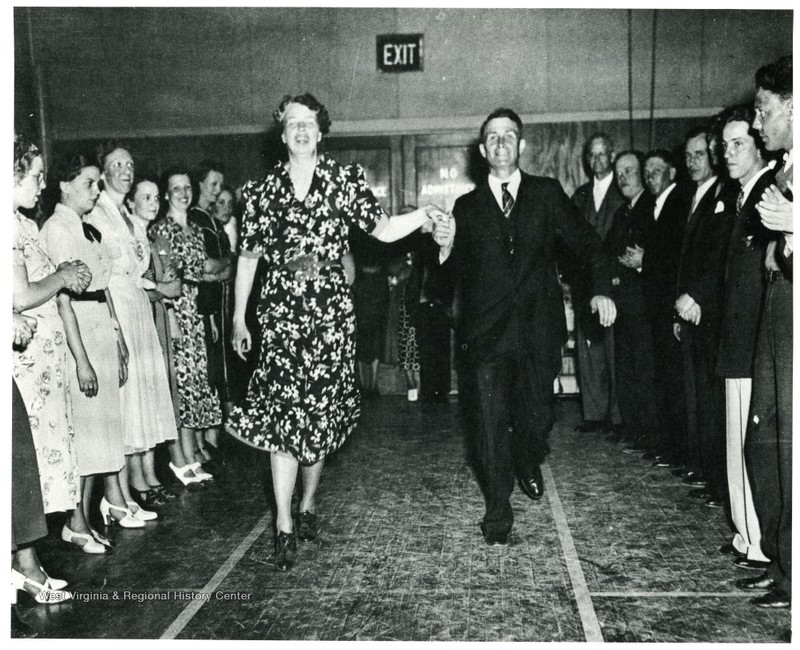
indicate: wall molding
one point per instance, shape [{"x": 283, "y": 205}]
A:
[{"x": 400, "y": 126}]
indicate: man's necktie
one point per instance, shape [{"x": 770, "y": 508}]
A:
[
  {"x": 782, "y": 181},
  {"x": 508, "y": 200},
  {"x": 739, "y": 202}
]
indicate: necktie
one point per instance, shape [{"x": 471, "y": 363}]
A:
[
  {"x": 508, "y": 200},
  {"x": 739, "y": 202},
  {"x": 782, "y": 181}
]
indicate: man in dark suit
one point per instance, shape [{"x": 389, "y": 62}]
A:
[
  {"x": 743, "y": 297},
  {"x": 633, "y": 343},
  {"x": 658, "y": 260},
  {"x": 597, "y": 201},
  {"x": 769, "y": 434},
  {"x": 511, "y": 325},
  {"x": 698, "y": 315}
]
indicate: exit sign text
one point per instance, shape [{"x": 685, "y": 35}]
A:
[{"x": 399, "y": 52}]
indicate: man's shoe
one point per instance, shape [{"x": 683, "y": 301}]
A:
[
  {"x": 760, "y": 583},
  {"x": 753, "y": 565},
  {"x": 730, "y": 549},
  {"x": 775, "y": 599},
  {"x": 532, "y": 483},
  {"x": 495, "y": 537},
  {"x": 715, "y": 503},
  {"x": 699, "y": 493},
  {"x": 694, "y": 479}
]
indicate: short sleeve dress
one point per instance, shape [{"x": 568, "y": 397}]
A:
[
  {"x": 302, "y": 399},
  {"x": 98, "y": 419},
  {"x": 199, "y": 406},
  {"x": 42, "y": 376}
]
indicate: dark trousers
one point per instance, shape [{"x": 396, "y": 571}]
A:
[
  {"x": 705, "y": 406},
  {"x": 433, "y": 332},
  {"x": 217, "y": 361},
  {"x": 768, "y": 448},
  {"x": 633, "y": 347},
  {"x": 513, "y": 416},
  {"x": 27, "y": 507},
  {"x": 669, "y": 378}
]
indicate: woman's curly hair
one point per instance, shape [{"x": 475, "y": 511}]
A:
[{"x": 306, "y": 99}]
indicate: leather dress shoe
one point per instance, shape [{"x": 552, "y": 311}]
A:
[
  {"x": 763, "y": 582},
  {"x": 495, "y": 537},
  {"x": 699, "y": 493},
  {"x": 713, "y": 502},
  {"x": 730, "y": 549},
  {"x": 775, "y": 599},
  {"x": 532, "y": 483},
  {"x": 753, "y": 565},
  {"x": 694, "y": 479}
]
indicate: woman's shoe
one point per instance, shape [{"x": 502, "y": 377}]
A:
[
  {"x": 200, "y": 473},
  {"x": 53, "y": 583},
  {"x": 105, "y": 541},
  {"x": 128, "y": 521},
  {"x": 141, "y": 513},
  {"x": 285, "y": 550},
  {"x": 164, "y": 493},
  {"x": 180, "y": 474},
  {"x": 149, "y": 498},
  {"x": 44, "y": 595},
  {"x": 307, "y": 526},
  {"x": 90, "y": 545}
]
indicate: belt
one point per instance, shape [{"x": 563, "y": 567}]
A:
[
  {"x": 88, "y": 296},
  {"x": 774, "y": 276},
  {"x": 306, "y": 267}
]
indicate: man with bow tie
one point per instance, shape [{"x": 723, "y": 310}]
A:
[
  {"x": 501, "y": 240},
  {"x": 769, "y": 433}
]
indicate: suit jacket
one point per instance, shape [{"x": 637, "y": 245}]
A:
[
  {"x": 506, "y": 268},
  {"x": 217, "y": 244},
  {"x": 744, "y": 284},
  {"x": 602, "y": 219},
  {"x": 662, "y": 252},
  {"x": 785, "y": 262},
  {"x": 705, "y": 245},
  {"x": 629, "y": 227}
]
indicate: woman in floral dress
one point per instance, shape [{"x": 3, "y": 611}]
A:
[
  {"x": 302, "y": 400},
  {"x": 199, "y": 406}
]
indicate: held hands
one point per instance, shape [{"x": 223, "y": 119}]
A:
[
  {"x": 688, "y": 309},
  {"x": 632, "y": 257},
  {"x": 444, "y": 229},
  {"x": 605, "y": 309},
  {"x": 776, "y": 211},
  {"x": 76, "y": 275},
  {"x": 24, "y": 329},
  {"x": 241, "y": 340}
]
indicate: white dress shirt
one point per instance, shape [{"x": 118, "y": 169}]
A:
[
  {"x": 600, "y": 188},
  {"x": 495, "y": 184},
  {"x": 660, "y": 201}
]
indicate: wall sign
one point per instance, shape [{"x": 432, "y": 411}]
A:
[{"x": 399, "y": 52}]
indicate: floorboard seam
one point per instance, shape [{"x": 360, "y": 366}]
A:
[
  {"x": 671, "y": 594},
  {"x": 583, "y": 598},
  {"x": 233, "y": 559}
]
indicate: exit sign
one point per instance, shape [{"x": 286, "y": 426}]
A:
[{"x": 399, "y": 52}]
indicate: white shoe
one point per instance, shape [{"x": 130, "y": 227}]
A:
[
  {"x": 200, "y": 473},
  {"x": 128, "y": 521},
  {"x": 180, "y": 474},
  {"x": 413, "y": 394},
  {"x": 44, "y": 594},
  {"x": 91, "y": 545},
  {"x": 53, "y": 583},
  {"x": 141, "y": 513}
]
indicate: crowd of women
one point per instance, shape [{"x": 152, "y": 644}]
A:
[{"x": 113, "y": 353}]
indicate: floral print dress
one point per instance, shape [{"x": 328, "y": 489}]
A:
[
  {"x": 40, "y": 371},
  {"x": 302, "y": 399},
  {"x": 199, "y": 406}
]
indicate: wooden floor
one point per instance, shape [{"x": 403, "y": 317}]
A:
[{"x": 616, "y": 551}]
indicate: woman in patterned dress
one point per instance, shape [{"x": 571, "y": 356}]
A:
[
  {"x": 199, "y": 405},
  {"x": 302, "y": 400},
  {"x": 44, "y": 467}
]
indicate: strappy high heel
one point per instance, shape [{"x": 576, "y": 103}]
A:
[
  {"x": 141, "y": 513},
  {"x": 44, "y": 595},
  {"x": 91, "y": 545},
  {"x": 200, "y": 473},
  {"x": 128, "y": 521},
  {"x": 180, "y": 474},
  {"x": 53, "y": 583},
  {"x": 105, "y": 541}
]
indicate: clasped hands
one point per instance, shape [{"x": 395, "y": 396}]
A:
[
  {"x": 632, "y": 258},
  {"x": 776, "y": 210},
  {"x": 75, "y": 274},
  {"x": 442, "y": 225}
]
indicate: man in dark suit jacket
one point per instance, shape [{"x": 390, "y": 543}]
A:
[
  {"x": 511, "y": 325},
  {"x": 633, "y": 342},
  {"x": 743, "y": 297},
  {"x": 698, "y": 314},
  {"x": 597, "y": 201},
  {"x": 659, "y": 259},
  {"x": 769, "y": 435}
]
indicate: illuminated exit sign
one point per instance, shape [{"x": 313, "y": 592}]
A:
[{"x": 399, "y": 52}]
